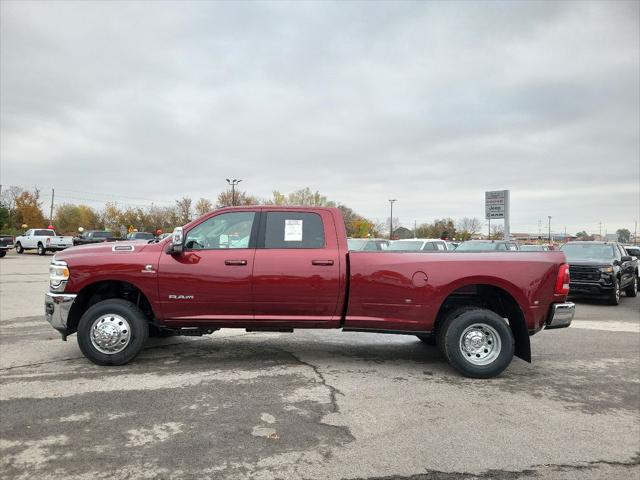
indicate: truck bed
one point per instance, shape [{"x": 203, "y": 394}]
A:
[{"x": 404, "y": 291}]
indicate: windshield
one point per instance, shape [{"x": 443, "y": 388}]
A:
[
  {"x": 470, "y": 246},
  {"x": 588, "y": 251},
  {"x": 417, "y": 245},
  {"x": 144, "y": 236},
  {"x": 356, "y": 243}
]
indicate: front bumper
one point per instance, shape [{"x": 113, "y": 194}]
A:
[
  {"x": 596, "y": 289},
  {"x": 56, "y": 309},
  {"x": 561, "y": 315}
]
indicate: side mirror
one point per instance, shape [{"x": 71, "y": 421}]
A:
[
  {"x": 177, "y": 239},
  {"x": 627, "y": 258}
]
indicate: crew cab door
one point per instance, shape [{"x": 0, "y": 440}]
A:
[
  {"x": 210, "y": 281},
  {"x": 296, "y": 272},
  {"x": 27, "y": 240}
]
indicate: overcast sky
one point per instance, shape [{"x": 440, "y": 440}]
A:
[{"x": 429, "y": 103}]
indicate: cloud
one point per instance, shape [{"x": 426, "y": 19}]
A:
[{"x": 430, "y": 103}]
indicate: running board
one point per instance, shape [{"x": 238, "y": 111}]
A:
[{"x": 269, "y": 329}]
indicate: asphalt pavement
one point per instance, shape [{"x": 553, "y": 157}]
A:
[{"x": 313, "y": 404}]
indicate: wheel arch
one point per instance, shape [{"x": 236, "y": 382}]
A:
[
  {"x": 495, "y": 298},
  {"x": 103, "y": 290}
]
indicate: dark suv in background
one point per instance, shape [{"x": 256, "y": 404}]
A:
[{"x": 601, "y": 269}]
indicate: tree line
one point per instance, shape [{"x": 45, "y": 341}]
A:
[{"x": 20, "y": 207}]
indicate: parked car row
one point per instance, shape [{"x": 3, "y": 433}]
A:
[
  {"x": 47, "y": 240},
  {"x": 597, "y": 269}
]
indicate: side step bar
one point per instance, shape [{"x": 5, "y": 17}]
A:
[{"x": 269, "y": 329}]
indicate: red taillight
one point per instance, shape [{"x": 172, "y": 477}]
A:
[{"x": 562, "y": 282}]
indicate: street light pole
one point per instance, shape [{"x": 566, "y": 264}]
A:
[
  {"x": 233, "y": 184},
  {"x": 549, "y": 228},
  {"x": 391, "y": 201}
]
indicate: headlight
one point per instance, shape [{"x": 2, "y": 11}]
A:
[
  {"x": 608, "y": 269},
  {"x": 58, "y": 275}
]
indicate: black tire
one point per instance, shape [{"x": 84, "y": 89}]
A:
[
  {"x": 138, "y": 334},
  {"x": 19, "y": 248},
  {"x": 41, "y": 249},
  {"x": 496, "y": 348},
  {"x": 632, "y": 290},
  {"x": 428, "y": 339},
  {"x": 614, "y": 296},
  {"x": 2, "y": 253}
]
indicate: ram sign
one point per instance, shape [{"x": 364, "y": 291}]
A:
[{"x": 495, "y": 203}]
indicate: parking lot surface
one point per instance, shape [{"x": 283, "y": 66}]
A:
[{"x": 313, "y": 404}]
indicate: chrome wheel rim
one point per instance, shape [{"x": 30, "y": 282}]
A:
[
  {"x": 110, "y": 334},
  {"x": 617, "y": 292},
  {"x": 480, "y": 344}
]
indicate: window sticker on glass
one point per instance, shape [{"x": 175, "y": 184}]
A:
[{"x": 293, "y": 230}]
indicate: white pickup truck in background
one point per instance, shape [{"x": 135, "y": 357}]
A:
[{"x": 44, "y": 240}]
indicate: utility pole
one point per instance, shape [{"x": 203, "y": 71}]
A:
[
  {"x": 600, "y": 234},
  {"x": 549, "y": 228},
  {"x": 415, "y": 227},
  {"x": 635, "y": 233},
  {"x": 489, "y": 228},
  {"x": 233, "y": 184},
  {"x": 53, "y": 192},
  {"x": 391, "y": 201}
]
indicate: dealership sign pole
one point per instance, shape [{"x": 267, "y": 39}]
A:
[{"x": 496, "y": 205}]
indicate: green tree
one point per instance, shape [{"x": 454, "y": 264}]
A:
[
  {"x": 440, "y": 228},
  {"x": 356, "y": 225},
  {"x": 69, "y": 218},
  {"x": 624, "y": 235},
  {"x": 4, "y": 217},
  {"x": 304, "y": 196}
]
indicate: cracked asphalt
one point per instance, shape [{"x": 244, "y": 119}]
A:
[{"x": 313, "y": 404}]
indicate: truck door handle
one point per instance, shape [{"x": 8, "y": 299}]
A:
[
  {"x": 322, "y": 262},
  {"x": 235, "y": 262}
]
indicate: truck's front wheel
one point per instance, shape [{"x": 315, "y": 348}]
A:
[
  {"x": 112, "y": 332},
  {"x": 477, "y": 342},
  {"x": 632, "y": 289}
]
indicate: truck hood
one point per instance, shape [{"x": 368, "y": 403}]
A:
[
  {"x": 590, "y": 263},
  {"x": 115, "y": 248}
]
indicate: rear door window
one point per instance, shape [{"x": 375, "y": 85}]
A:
[{"x": 293, "y": 230}]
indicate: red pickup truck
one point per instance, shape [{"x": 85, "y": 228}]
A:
[{"x": 272, "y": 268}]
